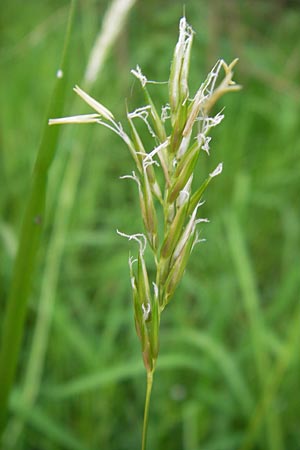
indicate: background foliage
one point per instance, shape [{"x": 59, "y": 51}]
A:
[{"x": 228, "y": 374}]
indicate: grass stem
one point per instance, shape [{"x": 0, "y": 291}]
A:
[{"x": 146, "y": 410}]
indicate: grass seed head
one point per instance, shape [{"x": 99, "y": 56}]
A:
[{"x": 174, "y": 154}]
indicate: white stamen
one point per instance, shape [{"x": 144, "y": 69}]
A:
[
  {"x": 143, "y": 114},
  {"x": 139, "y": 237},
  {"x": 155, "y": 288},
  {"x": 205, "y": 146},
  {"x": 185, "y": 193},
  {"x": 165, "y": 112},
  {"x": 197, "y": 240},
  {"x": 201, "y": 220},
  {"x": 150, "y": 162},
  {"x": 154, "y": 152},
  {"x": 132, "y": 260},
  {"x": 138, "y": 74},
  {"x": 146, "y": 310},
  {"x": 132, "y": 282},
  {"x": 183, "y": 197},
  {"x": 217, "y": 170},
  {"x": 131, "y": 177}
]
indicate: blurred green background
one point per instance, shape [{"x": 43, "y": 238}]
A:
[{"x": 228, "y": 371}]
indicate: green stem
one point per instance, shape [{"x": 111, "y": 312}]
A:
[{"x": 146, "y": 410}]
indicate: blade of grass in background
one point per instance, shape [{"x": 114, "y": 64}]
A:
[
  {"x": 31, "y": 230},
  {"x": 113, "y": 24},
  {"x": 116, "y": 374},
  {"x": 274, "y": 381},
  {"x": 224, "y": 361},
  {"x": 201, "y": 341},
  {"x": 47, "y": 426},
  {"x": 257, "y": 326}
]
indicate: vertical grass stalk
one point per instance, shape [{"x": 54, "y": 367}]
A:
[
  {"x": 146, "y": 409},
  {"x": 29, "y": 241}
]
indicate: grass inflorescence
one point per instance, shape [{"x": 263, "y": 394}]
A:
[{"x": 180, "y": 131}]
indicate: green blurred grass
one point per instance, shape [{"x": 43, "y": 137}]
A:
[{"x": 241, "y": 291}]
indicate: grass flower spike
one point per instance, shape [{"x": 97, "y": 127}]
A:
[{"x": 164, "y": 178}]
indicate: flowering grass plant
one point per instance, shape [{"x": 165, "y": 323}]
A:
[{"x": 164, "y": 178}]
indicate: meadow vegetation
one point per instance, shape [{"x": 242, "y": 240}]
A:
[{"x": 228, "y": 371}]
